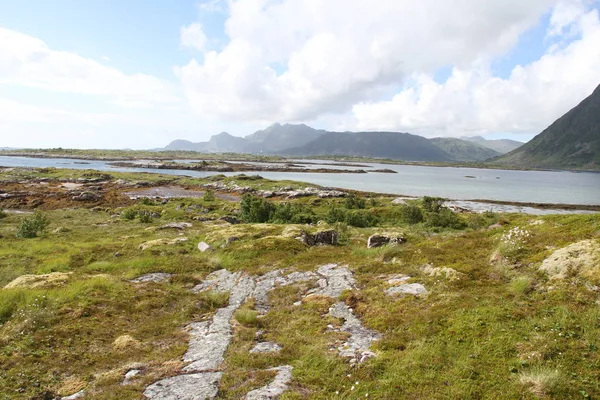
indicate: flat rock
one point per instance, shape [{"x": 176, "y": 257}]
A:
[
  {"x": 408, "y": 288},
  {"x": 39, "y": 281},
  {"x": 161, "y": 242},
  {"x": 274, "y": 389},
  {"x": 198, "y": 386},
  {"x": 155, "y": 277},
  {"x": 176, "y": 225},
  {"x": 266, "y": 347},
  {"x": 130, "y": 375},
  {"x": 203, "y": 246}
]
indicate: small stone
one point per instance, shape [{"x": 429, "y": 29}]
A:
[
  {"x": 117, "y": 254},
  {"x": 203, "y": 247}
]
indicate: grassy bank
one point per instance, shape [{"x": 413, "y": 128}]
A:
[{"x": 496, "y": 328}]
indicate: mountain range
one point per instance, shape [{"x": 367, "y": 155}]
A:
[
  {"x": 302, "y": 140},
  {"x": 571, "y": 142}
]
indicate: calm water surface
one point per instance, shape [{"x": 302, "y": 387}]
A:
[{"x": 556, "y": 187}]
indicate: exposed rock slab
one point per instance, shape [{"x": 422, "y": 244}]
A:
[
  {"x": 155, "y": 277},
  {"x": 329, "y": 237},
  {"x": 274, "y": 389},
  {"x": 199, "y": 386},
  {"x": 333, "y": 281},
  {"x": 74, "y": 396},
  {"x": 356, "y": 348}
]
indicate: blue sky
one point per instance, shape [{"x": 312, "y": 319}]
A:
[{"x": 107, "y": 73}]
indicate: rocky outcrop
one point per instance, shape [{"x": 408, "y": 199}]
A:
[
  {"x": 329, "y": 237},
  {"x": 356, "y": 348},
  {"x": 577, "y": 259},
  {"x": 176, "y": 225},
  {"x": 39, "y": 281},
  {"x": 382, "y": 240}
]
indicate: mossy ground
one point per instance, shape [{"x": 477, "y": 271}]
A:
[{"x": 501, "y": 331}]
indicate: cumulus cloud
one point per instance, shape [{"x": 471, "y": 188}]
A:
[
  {"x": 473, "y": 101},
  {"x": 28, "y": 61},
  {"x": 298, "y": 60},
  {"x": 295, "y": 59},
  {"x": 193, "y": 36}
]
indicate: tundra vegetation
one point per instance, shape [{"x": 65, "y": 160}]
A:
[{"x": 491, "y": 325}]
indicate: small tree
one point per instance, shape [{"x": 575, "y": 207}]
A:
[
  {"x": 209, "y": 195},
  {"x": 30, "y": 227}
]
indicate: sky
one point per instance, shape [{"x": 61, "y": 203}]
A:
[{"x": 141, "y": 73}]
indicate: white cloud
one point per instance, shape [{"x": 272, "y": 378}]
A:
[
  {"x": 338, "y": 52},
  {"x": 28, "y": 61},
  {"x": 193, "y": 36},
  {"x": 473, "y": 101}
]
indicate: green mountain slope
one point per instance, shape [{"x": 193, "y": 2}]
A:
[
  {"x": 462, "y": 150},
  {"x": 572, "y": 142},
  {"x": 502, "y": 146},
  {"x": 398, "y": 146}
]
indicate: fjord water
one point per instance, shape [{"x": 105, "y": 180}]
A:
[{"x": 555, "y": 187}]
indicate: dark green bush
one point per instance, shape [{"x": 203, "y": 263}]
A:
[
  {"x": 352, "y": 201},
  {"x": 209, "y": 195},
  {"x": 145, "y": 217},
  {"x": 146, "y": 201},
  {"x": 445, "y": 218},
  {"x": 129, "y": 213},
  {"x": 256, "y": 209},
  {"x": 31, "y": 226},
  {"x": 359, "y": 219},
  {"x": 432, "y": 204},
  {"x": 3, "y": 214},
  {"x": 410, "y": 214}
]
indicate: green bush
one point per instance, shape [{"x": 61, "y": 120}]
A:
[
  {"x": 292, "y": 213},
  {"x": 445, "y": 218},
  {"x": 146, "y": 201},
  {"x": 3, "y": 214},
  {"x": 432, "y": 204},
  {"x": 129, "y": 214},
  {"x": 30, "y": 227},
  {"x": 256, "y": 209},
  {"x": 352, "y": 201},
  {"x": 411, "y": 214},
  {"x": 359, "y": 219},
  {"x": 209, "y": 195},
  {"x": 145, "y": 217}
]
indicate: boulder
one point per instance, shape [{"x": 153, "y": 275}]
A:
[
  {"x": 381, "y": 240},
  {"x": 39, "y": 281},
  {"x": 231, "y": 220},
  {"x": 203, "y": 246},
  {"x": 87, "y": 196},
  {"x": 329, "y": 237},
  {"x": 577, "y": 259}
]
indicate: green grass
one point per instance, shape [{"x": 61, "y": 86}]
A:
[{"x": 501, "y": 331}]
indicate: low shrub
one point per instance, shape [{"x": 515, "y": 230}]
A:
[
  {"x": 432, "y": 204},
  {"x": 31, "y": 226},
  {"x": 444, "y": 218},
  {"x": 411, "y": 214},
  {"x": 352, "y": 201},
  {"x": 256, "y": 209},
  {"x": 129, "y": 214},
  {"x": 209, "y": 195}
]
